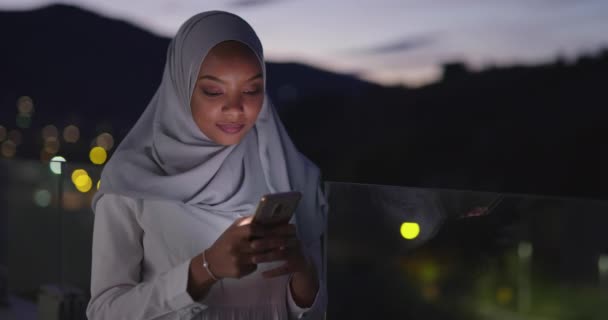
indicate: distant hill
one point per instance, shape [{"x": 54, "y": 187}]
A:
[
  {"x": 539, "y": 129},
  {"x": 87, "y": 69}
]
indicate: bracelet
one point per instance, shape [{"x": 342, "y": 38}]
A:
[{"x": 206, "y": 266}]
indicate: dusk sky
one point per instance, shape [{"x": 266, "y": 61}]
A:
[{"x": 389, "y": 41}]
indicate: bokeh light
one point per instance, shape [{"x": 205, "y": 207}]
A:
[
  {"x": 49, "y": 131},
  {"x": 105, "y": 140},
  {"x": 83, "y": 183},
  {"x": 24, "y": 121},
  {"x": 429, "y": 272},
  {"x": 55, "y": 164},
  {"x": 430, "y": 292},
  {"x": 25, "y": 105},
  {"x": 42, "y": 198},
  {"x": 504, "y": 295},
  {"x": 98, "y": 184},
  {"x": 602, "y": 264},
  {"x": 8, "y": 149},
  {"x": 71, "y": 134},
  {"x": 45, "y": 156},
  {"x": 15, "y": 137},
  {"x": 98, "y": 155},
  {"x": 51, "y": 145},
  {"x": 72, "y": 201},
  {"x": 77, "y": 173},
  {"x": 410, "y": 230},
  {"x": 3, "y": 133},
  {"x": 524, "y": 250}
]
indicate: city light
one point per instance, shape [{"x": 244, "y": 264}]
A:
[
  {"x": 25, "y": 105},
  {"x": 71, "y": 134},
  {"x": 524, "y": 250},
  {"x": 42, "y": 198},
  {"x": 83, "y": 183},
  {"x": 24, "y": 121},
  {"x": 98, "y": 155},
  {"x": 602, "y": 264},
  {"x": 9, "y": 148},
  {"x": 55, "y": 164},
  {"x": 77, "y": 173},
  {"x": 49, "y": 131},
  {"x": 410, "y": 230},
  {"x": 51, "y": 145},
  {"x": 504, "y": 295},
  {"x": 105, "y": 140},
  {"x": 15, "y": 137}
]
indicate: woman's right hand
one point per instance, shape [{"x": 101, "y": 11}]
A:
[{"x": 231, "y": 254}]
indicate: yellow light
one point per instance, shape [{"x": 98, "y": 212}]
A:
[
  {"x": 504, "y": 295},
  {"x": 410, "y": 230},
  {"x": 55, "y": 164},
  {"x": 77, "y": 173},
  {"x": 98, "y": 184},
  {"x": 83, "y": 183},
  {"x": 98, "y": 155}
]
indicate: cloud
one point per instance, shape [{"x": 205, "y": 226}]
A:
[
  {"x": 251, "y": 3},
  {"x": 396, "y": 46}
]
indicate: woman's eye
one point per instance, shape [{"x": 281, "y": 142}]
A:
[
  {"x": 212, "y": 93},
  {"x": 252, "y": 92}
]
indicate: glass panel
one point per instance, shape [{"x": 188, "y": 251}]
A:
[{"x": 396, "y": 252}]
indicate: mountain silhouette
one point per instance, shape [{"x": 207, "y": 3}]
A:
[{"x": 535, "y": 129}]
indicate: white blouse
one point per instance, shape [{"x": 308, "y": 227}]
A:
[{"x": 141, "y": 256}]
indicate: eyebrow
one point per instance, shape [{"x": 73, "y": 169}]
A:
[{"x": 214, "y": 78}]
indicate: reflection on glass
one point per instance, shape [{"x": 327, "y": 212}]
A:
[{"x": 410, "y": 230}]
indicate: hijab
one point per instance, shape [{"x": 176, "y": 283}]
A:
[{"x": 166, "y": 156}]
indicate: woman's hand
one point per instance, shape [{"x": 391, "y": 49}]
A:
[
  {"x": 304, "y": 282},
  {"x": 290, "y": 252},
  {"x": 231, "y": 255}
]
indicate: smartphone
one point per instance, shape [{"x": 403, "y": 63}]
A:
[{"x": 276, "y": 208}]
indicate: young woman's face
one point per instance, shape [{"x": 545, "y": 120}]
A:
[{"x": 229, "y": 93}]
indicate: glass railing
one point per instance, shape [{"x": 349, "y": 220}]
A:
[
  {"x": 409, "y": 253},
  {"x": 392, "y": 252}
]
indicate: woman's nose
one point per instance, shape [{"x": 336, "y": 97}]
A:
[{"x": 233, "y": 105}]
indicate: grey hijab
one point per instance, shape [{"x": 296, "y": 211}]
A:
[{"x": 165, "y": 156}]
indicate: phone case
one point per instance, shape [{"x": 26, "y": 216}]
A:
[{"x": 277, "y": 208}]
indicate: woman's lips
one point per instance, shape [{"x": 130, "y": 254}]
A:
[{"x": 231, "y": 128}]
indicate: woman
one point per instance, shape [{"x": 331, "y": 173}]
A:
[{"x": 173, "y": 237}]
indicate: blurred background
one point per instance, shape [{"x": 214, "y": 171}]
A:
[{"x": 465, "y": 102}]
